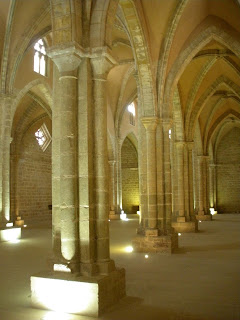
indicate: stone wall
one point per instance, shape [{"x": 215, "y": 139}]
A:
[
  {"x": 34, "y": 192},
  {"x": 130, "y": 181},
  {"x": 228, "y": 173}
]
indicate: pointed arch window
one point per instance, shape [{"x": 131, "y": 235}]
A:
[
  {"x": 40, "y": 58},
  {"x": 132, "y": 112}
]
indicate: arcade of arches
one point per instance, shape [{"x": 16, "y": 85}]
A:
[{"x": 74, "y": 153}]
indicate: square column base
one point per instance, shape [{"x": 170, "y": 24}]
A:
[
  {"x": 165, "y": 244},
  {"x": 10, "y": 234},
  {"x": 204, "y": 217},
  {"x": 70, "y": 293},
  {"x": 114, "y": 216},
  {"x": 19, "y": 223},
  {"x": 187, "y": 226}
]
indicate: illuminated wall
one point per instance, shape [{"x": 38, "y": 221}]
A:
[{"x": 228, "y": 173}]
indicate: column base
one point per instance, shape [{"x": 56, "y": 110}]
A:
[
  {"x": 165, "y": 244},
  {"x": 114, "y": 216},
  {"x": 187, "y": 226},
  {"x": 204, "y": 217},
  {"x": 19, "y": 222},
  {"x": 10, "y": 234},
  {"x": 70, "y": 293}
]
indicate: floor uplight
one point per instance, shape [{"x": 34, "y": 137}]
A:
[
  {"x": 129, "y": 249},
  {"x": 179, "y": 234},
  {"x": 146, "y": 256}
]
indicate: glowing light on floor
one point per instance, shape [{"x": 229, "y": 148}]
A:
[
  {"x": 123, "y": 216},
  {"x": 200, "y": 221},
  {"x": 25, "y": 226},
  {"x": 179, "y": 234},
  {"x": 10, "y": 234},
  {"x": 56, "y": 316},
  {"x": 146, "y": 256},
  {"x": 63, "y": 296},
  {"x": 129, "y": 249},
  {"x": 212, "y": 211},
  {"x": 9, "y": 224},
  {"x": 138, "y": 212},
  {"x": 14, "y": 241}
]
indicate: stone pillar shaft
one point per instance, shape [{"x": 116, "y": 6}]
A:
[
  {"x": 112, "y": 185},
  {"x": 101, "y": 67},
  {"x": 180, "y": 175},
  {"x": 64, "y": 183},
  {"x": 68, "y": 172},
  {"x": 167, "y": 173},
  {"x": 150, "y": 125},
  {"x": 190, "y": 177},
  {"x": 200, "y": 185},
  {"x": 6, "y": 162}
]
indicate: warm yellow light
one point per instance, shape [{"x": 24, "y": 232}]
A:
[
  {"x": 138, "y": 212},
  {"x": 56, "y": 316},
  {"x": 62, "y": 295},
  {"x": 212, "y": 211},
  {"x": 179, "y": 234},
  {"x": 9, "y": 224},
  {"x": 146, "y": 256},
  {"x": 129, "y": 249},
  {"x": 123, "y": 216},
  {"x": 25, "y": 225},
  {"x": 11, "y": 234},
  {"x": 200, "y": 221}
]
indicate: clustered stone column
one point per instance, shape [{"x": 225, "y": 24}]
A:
[
  {"x": 80, "y": 189},
  {"x": 184, "y": 221},
  {"x": 155, "y": 233}
]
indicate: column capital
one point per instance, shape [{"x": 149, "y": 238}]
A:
[
  {"x": 150, "y": 123},
  {"x": 102, "y": 62},
  {"x": 67, "y": 57},
  {"x": 180, "y": 143},
  {"x": 190, "y": 145},
  {"x": 166, "y": 123}
]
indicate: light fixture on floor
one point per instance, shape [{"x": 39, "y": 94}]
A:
[
  {"x": 146, "y": 256},
  {"x": 179, "y": 234},
  {"x": 51, "y": 315},
  {"x": 129, "y": 249}
]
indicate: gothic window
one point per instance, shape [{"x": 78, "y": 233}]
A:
[
  {"x": 43, "y": 137},
  {"x": 131, "y": 110},
  {"x": 40, "y": 58}
]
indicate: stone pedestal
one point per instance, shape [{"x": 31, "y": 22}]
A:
[
  {"x": 10, "y": 234},
  {"x": 205, "y": 217},
  {"x": 164, "y": 244},
  {"x": 19, "y": 222},
  {"x": 114, "y": 216},
  {"x": 70, "y": 293},
  {"x": 185, "y": 226}
]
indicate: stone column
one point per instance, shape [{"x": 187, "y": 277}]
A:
[
  {"x": 6, "y": 162},
  {"x": 119, "y": 174},
  {"x": 190, "y": 178},
  {"x": 183, "y": 223},
  {"x": 179, "y": 147},
  {"x": 64, "y": 184},
  {"x": 166, "y": 125},
  {"x": 150, "y": 125},
  {"x": 101, "y": 66},
  {"x": 112, "y": 214},
  {"x": 211, "y": 185},
  {"x": 201, "y": 177},
  {"x": 157, "y": 234}
]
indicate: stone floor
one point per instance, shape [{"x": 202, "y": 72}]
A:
[{"x": 200, "y": 282}]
